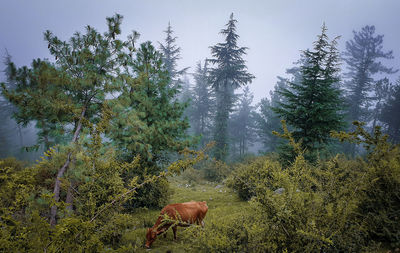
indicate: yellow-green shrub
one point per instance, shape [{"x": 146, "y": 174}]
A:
[
  {"x": 221, "y": 235},
  {"x": 215, "y": 170},
  {"x": 304, "y": 208},
  {"x": 191, "y": 176},
  {"x": 338, "y": 205},
  {"x": 152, "y": 195},
  {"x": 380, "y": 203},
  {"x": 247, "y": 176}
]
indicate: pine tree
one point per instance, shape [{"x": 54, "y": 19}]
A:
[
  {"x": 171, "y": 54},
  {"x": 267, "y": 120},
  {"x": 185, "y": 94},
  {"x": 149, "y": 122},
  {"x": 9, "y": 129},
  {"x": 230, "y": 73},
  {"x": 313, "y": 107},
  {"x": 202, "y": 105},
  {"x": 71, "y": 92},
  {"x": 40, "y": 97},
  {"x": 362, "y": 56},
  {"x": 243, "y": 123},
  {"x": 383, "y": 91},
  {"x": 390, "y": 114}
]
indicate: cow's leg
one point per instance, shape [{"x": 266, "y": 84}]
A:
[
  {"x": 202, "y": 223},
  {"x": 163, "y": 230},
  {"x": 174, "y": 228}
]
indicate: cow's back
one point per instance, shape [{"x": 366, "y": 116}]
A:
[{"x": 188, "y": 212}]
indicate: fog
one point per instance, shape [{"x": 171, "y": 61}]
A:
[
  {"x": 280, "y": 119},
  {"x": 274, "y": 31}
]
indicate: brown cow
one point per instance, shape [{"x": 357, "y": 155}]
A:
[{"x": 181, "y": 214}]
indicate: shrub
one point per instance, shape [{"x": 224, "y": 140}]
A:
[
  {"x": 191, "y": 176},
  {"x": 247, "y": 176},
  {"x": 152, "y": 195},
  {"x": 112, "y": 232},
  {"x": 229, "y": 234},
  {"x": 334, "y": 205},
  {"x": 215, "y": 170},
  {"x": 380, "y": 204}
]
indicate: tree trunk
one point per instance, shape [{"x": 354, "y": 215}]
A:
[
  {"x": 70, "y": 198},
  {"x": 21, "y": 141},
  {"x": 61, "y": 171},
  {"x": 224, "y": 105},
  {"x": 70, "y": 193}
]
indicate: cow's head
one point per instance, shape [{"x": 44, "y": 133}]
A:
[{"x": 150, "y": 237}]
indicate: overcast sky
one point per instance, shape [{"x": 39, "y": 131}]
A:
[{"x": 275, "y": 31}]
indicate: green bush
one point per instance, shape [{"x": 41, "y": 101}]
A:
[
  {"x": 215, "y": 170},
  {"x": 229, "y": 234},
  {"x": 336, "y": 205},
  {"x": 247, "y": 176},
  {"x": 380, "y": 205},
  {"x": 153, "y": 195},
  {"x": 303, "y": 208},
  {"x": 113, "y": 231},
  {"x": 191, "y": 176}
]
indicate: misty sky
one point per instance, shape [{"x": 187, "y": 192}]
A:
[{"x": 274, "y": 31}]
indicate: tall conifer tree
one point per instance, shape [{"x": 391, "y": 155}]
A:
[
  {"x": 362, "y": 57},
  {"x": 313, "y": 107},
  {"x": 11, "y": 126},
  {"x": 383, "y": 92},
  {"x": 202, "y": 105},
  {"x": 267, "y": 120},
  {"x": 390, "y": 114},
  {"x": 243, "y": 123},
  {"x": 229, "y": 73},
  {"x": 149, "y": 122},
  {"x": 148, "y": 119},
  {"x": 171, "y": 54},
  {"x": 71, "y": 92}
]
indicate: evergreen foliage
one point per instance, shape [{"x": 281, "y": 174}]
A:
[
  {"x": 333, "y": 206},
  {"x": 313, "y": 107},
  {"x": 65, "y": 97},
  {"x": 380, "y": 202},
  {"x": 40, "y": 95},
  {"x": 383, "y": 91},
  {"x": 390, "y": 114},
  {"x": 171, "y": 54},
  {"x": 243, "y": 124},
  {"x": 202, "y": 105},
  {"x": 149, "y": 122},
  {"x": 362, "y": 55},
  {"x": 230, "y": 72},
  {"x": 185, "y": 96},
  {"x": 99, "y": 194},
  {"x": 113, "y": 120},
  {"x": 12, "y": 134},
  {"x": 267, "y": 120}
]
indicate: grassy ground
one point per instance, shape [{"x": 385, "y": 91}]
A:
[{"x": 220, "y": 200}]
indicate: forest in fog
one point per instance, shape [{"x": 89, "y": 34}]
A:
[{"x": 96, "y": 139}]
